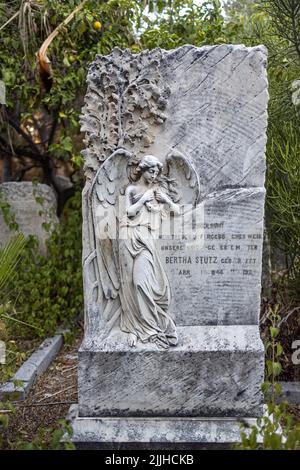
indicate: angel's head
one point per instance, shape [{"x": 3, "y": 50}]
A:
[{"x": 149, "y": 168}]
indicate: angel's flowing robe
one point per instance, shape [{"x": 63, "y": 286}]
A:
[{"x": 145, "y": 289}]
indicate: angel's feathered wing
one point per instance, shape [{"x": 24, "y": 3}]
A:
[
  {"x": 101, "y": 266},
  {"x": 181, "y": 171}
]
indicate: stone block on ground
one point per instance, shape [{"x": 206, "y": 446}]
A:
[{"x": 33, "y": 205}]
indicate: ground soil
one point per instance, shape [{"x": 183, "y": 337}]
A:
[{"x": 48, "y": 401}]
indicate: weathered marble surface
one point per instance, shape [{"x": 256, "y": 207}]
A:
[
  {"x": 209, "y": 104},
  {"x": 214, "y": 112},
  {"x": 131, "y": 202},
  {"x": 214, "y": 371},
  {"x": 32, "y": 205},
  {"x": 154, "y": 433},
  {"x": 222, "y": 284}
]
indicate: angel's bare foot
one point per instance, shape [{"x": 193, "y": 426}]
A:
[{"x": 132, "y": 339}]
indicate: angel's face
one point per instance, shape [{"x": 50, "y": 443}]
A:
[{"x": 150, "y": 174}]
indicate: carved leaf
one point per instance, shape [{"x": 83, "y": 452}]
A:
[{"x": 124, "y": 103}]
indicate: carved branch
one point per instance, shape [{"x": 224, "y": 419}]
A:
[{"x": 124, "y": 103}]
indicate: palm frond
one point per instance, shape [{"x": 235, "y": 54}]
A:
[{"x": 9, "y": 257}]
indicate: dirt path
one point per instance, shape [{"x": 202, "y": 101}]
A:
[{"x": 48, "y": 401}]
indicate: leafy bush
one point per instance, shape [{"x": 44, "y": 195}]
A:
[
  {"x": 283, "y": 199},
  {"x": 276, "y": 430},
  {"x": 48, "y": 289},
  {"x": 49, "y": 439}
]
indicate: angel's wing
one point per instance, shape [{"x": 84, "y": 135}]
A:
[
  {"x": 184, "y": 177},
  {"x": 109, "y": 182}
]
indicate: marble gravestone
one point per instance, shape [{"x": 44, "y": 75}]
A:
[{"x": 173, "y": 212}]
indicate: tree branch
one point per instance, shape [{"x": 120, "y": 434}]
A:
[
  {"x": 53, "y": 127},
  {"x": 25, "y": 136},
  {"x": 21, "y": 152}
]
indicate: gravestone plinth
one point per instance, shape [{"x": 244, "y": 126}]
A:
[
  {"x": 173, "y": 140},
  {"x": 214, "y": 371}
]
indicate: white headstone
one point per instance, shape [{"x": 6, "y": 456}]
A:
[{"x": 174, "y": 139}]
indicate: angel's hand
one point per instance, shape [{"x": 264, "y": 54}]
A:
[
  {"x": 161, "y": 196},
  {"x": 148, "y": 196},
  {"x": 136, "y": 197}
]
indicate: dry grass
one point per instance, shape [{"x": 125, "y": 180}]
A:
[{"x": 48, "y": 401}]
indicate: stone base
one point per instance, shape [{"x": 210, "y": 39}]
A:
[
  {"x": 155, "y": 433},
  {"x": 214, "y": 371}
]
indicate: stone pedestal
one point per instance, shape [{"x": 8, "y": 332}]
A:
[{"x": 214, "y": 371}]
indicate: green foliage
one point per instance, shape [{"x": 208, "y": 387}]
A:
[
  {"x": 14, "y": 357},
  {"x": 49, "y": 439},
  {"x": 283, "y": 193},
  {"x": 285, "y": 17},
  {"x": 48, "y": 289},
  {"x": 8, "y": 260},
  {"x": 9, "y": 257},
  {"x": 6, "y": 409},
  {"x": 189, "y": 22},
  {"x": 39, "y": 124},
  {"x": 276, "y": 23},
  {"x": 8, "y": 216},
  {"x": 274, "y": 351},
  {"x": 57, "y": 438},
  {"x": 276, "y": 430}
]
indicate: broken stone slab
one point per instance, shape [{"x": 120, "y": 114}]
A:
[
  {"x": 33, "y": 205},
  {"x": 19, "y": 386}
]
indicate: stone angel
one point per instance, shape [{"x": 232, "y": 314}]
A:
[{"x": 128, "y": 200}]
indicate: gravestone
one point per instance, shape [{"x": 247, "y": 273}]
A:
[
  {"x": 173, "y": 212},
  {"x": 33, "y": 206}
]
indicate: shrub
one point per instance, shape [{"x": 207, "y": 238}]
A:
[{"x": 47, "y": 290}]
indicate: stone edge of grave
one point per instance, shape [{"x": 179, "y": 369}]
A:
[
  {"x": 21, "y": 383},
  {"x": 290, "y": 392}
]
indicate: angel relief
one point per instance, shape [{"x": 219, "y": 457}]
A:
[{"x": 129, "y": 201}]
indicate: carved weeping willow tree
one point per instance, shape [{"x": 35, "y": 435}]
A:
[{"x": 124, "y": 103}]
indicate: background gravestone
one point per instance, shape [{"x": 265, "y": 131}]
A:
[
  {"x": 32, "y": 206},
  {"x": 209, "y": 104}
]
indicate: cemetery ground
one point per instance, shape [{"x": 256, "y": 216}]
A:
[{"x": 32, "y": 423}]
